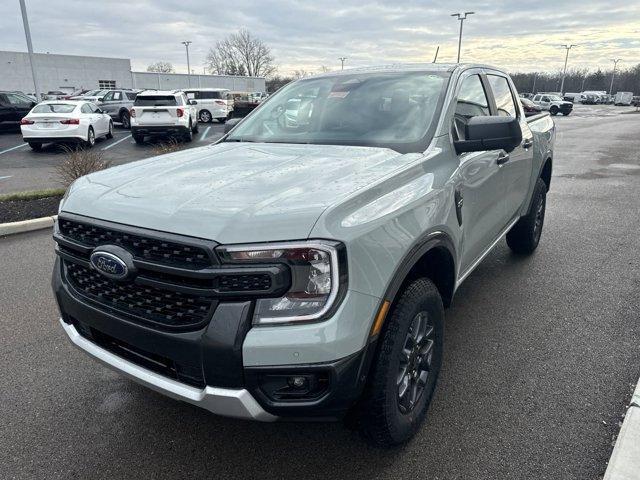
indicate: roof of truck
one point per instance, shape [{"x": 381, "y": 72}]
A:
[{"x": 409, "y": 67}]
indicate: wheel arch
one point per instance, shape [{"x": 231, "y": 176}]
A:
[
  {"x": 122, "y": 111},
  {"x": 545, "y": 172}
]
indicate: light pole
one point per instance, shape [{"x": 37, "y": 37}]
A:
[
  {"x": 186, "y": 44},
  {"x": 584, "y": 80},
  {"x": 27, "y": 33},
  {"x": 462, "y": 17},
  {"x": 566, "y": 59},
  {"x": 342, "y": 59},
  {"x": 533, "y": 88},
  {"x": 615, "y": 64}
]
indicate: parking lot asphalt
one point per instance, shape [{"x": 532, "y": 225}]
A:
[
  {"x": 22, "y": 169},
  {"x": 541, "y": 355}
]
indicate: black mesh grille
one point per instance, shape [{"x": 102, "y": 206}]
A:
[
  {"x": 246, "y": 283},
  {"x": 165, "y": 307},
  {"x": 145, "y": 248}
]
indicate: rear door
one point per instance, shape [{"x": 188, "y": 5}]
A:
[
  {"x": 479, "y": 195},
  {"x": 6, "y": 112},
  {"x": 19, "y": 106},
  {"x": 517, "y": 164}
]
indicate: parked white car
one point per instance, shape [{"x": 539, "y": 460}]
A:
[
  {"x": 553, "y": 103},
  {"x": 163, "y": 112},
  {"x": 212, "y": 103},
  {"x": 623, "y": 98},
  {"x": 61, "y": 121}
]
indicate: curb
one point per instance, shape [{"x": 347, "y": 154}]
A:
[
  {"x": 624, "y": 463},
  {"x": 26, "y": 225}
]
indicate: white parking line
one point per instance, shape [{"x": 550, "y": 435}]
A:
[
  {"x": 6, "y": 176},
  {"x": 204, "y": 134},
  {"x": 13, "y": 148},
  {"x": 115, "y": 143}
]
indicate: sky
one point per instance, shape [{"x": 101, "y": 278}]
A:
[{"x": 520, "y": 36}]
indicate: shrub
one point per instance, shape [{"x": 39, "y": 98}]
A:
[
  {"x": 79, "y": 162},
  {"x": 168, "y": 146}
]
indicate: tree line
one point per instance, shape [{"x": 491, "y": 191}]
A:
[{"x": 579, "y": 80}]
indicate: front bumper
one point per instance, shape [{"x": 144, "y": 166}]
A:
[
  {"x": 237, "y": 403},
  {"x": 206, "y": 367}
]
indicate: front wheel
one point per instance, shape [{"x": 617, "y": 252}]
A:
[
  {"x": 405, "y": 371},
  {"x": 524, "y": 236},
  {"x": 553, "y": 110},
  {"x": 110, "y": 131}
]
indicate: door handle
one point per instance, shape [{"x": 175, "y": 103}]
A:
[
  {"x": 503, "y": 157},
  {"x": 528, "y": 143}
]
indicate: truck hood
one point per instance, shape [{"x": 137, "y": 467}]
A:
[{"x": 232, "y": 192}]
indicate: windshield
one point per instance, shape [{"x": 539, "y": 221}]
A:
[
  {"x": 387, "y": 109},
  {"x": 54, "y": 108}
]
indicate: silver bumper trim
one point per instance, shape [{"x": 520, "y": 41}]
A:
[{"x": 221, "y": 401}]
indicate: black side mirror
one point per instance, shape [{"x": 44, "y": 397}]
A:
[
  {"x": 100, "y": 99},
  {"x": 230, "y": 124},
  {"x": 490, "y": 133}
]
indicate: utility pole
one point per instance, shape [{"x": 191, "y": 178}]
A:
[
  {"x": 186, "y": 44},
  {"x": 342, "y": 59},
  {"x": 584, "y": 80},
  {"x": 613, "y": 75},
  {"x": 566, "y": 59},
  {"x": 27, "y": 33},
  {"x": 533, "y": 88},
  {"x": 462, "y": 17}
]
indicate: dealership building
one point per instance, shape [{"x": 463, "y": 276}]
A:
[{"x": 68, "y": 73}]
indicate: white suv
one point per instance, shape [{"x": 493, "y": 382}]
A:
[
  {"x": 212, "y": 103},
  {"x": 162, "y": 112}
]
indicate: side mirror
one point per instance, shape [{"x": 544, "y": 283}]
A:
[
  {"x": 192, "y": 102},
  {"x": 100, "y": 99},
  {"x": 230, "y": 124},
  {"x": 490, "y": 133}
]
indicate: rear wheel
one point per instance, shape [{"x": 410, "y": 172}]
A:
[
  {"x": 35, "y": 146},
  {"x": 222, "y": 120},
  {"x": 205, "y": 116},
  {"x": 110, "y": 131},
  {"x": 139, "y": 139},
  {"x": 553, "y": 110},
  {"x": 195, "y": 127},
  {"x": 524, "y": 237},
  {"x": 405, "y": 372},
  {"x": 91, "y": 138},
  {"x": 125, "y": 120},
  {"x": 188, "y": 137}
]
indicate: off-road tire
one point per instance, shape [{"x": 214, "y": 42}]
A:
[
  {"x": 378, "y": 415},
  {"x": 524, "y": 236}
]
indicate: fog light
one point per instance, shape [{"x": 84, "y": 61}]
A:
[{"x": 297, "y": 382}]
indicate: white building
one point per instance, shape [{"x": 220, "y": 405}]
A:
[{"x": 68, "y": 73}]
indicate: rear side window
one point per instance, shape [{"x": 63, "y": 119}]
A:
[
  {"x": 86, "y": 108},
  {"x": 54, "y": 108},
  {"x": 155, "y": 101},
  {"x": 212, "y": 95},
  {"x": 131, "y": 95},
  {"x": 503, "y": 95}
]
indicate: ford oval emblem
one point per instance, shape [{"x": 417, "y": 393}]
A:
[{"x": 109, "y": 265}]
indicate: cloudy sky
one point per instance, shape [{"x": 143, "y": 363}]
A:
[{"x": 305, "y": 34}]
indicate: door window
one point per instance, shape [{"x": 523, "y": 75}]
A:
[
  {"x": 472, "y": 102},
  {"x": 117, "y": 96},
  {"x": 503, "y": 95},
  {"x": 17, "y": 100},
  {"x": 108, "y": 97}
]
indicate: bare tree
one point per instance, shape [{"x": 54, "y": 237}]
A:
[
  {"x": 300, "y": 74},
  {"x": 161, "y": 67},
  {"x": 241, "y": 54}
]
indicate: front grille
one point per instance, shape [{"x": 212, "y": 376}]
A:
[
  {"x": 164, "y": 307},
  {"x": 141, "y": 246},
  {"x": 244, "y": 283}
]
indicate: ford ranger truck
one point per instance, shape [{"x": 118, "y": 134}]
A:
[{"x": 300, "y": 267}]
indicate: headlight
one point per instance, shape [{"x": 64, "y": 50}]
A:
[{"x": 318, "y": 278}]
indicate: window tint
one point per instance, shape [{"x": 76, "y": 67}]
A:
[
  {"x": 504, "y": 97},
  {"x": 117, "y": 95},
  {"x": 472, "y": 102},
  {"x": 545, "y": 99},
  {"x": 86, "y": 108},
  {"x": 108, "y": 97},
  {"x": 212, "y": 95},
  {"x": 195, "y": 95},
  {"x": 156, "y": 101},
  {"x": 95, "y": 108},
  {"x": 54, "y": 108},
  {"x": 131, "y": 95}
]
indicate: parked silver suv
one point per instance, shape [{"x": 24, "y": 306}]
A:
[
  {"x": 117, "y": 103},
  {"x": 300, "y": 267}
]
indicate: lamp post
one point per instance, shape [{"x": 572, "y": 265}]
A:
[
  {"x": 566, "y": 59},
  {"x": 186, "y": 44},
  {"x": 342, "y": 59},
  {"x": 462, "y": 17},
  {"x": 613, "y": 74},
  {"x": 27, "y": 33}
]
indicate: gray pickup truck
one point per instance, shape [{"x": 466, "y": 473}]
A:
[{"x": 299, "y": 268}]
